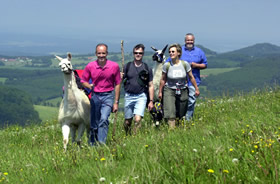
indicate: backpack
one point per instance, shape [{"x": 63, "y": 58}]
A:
[
  {"x": 145, "y": 81},
  {"x": 78, "y": 74}
]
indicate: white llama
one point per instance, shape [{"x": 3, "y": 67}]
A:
[
  {"x": 159, "y": 57},
  {"x": 74, "y": 110}
]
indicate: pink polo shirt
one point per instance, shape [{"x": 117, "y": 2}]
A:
[{"x": 104, "y": 79}]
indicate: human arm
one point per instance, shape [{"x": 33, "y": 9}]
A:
[
  {"x": 198, "y": 65},
  {"x": 151, "y": 95},
  {"x": 161, "y": 84},
  {"x": 201, "y": 63},
  {"x": 192, "y": 79},
  {"x": 117, "y": 97},
  {"x": 87, "y": 85}
]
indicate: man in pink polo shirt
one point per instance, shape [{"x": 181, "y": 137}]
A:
[{"x": 105, "y": 76}]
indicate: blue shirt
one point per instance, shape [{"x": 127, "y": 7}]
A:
[{"x": 195, "y": 55}]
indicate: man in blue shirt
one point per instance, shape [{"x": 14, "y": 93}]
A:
[{"x": 197, "y": 59}]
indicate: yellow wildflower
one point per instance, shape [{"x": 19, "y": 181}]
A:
[
  {"x": 5, "y": 173},
  {"x": 210, "y": 170},
  {"x": 230, "y": 149},
  {"x": 102, "y": 159},
  {"x": 225, "y": 171}
]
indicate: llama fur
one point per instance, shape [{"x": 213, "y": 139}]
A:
[{"x": 74, "y": 110}]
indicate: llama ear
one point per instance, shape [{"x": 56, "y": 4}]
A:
[
  {"x": 69, "y": 56},
  {"x": 59, "y": 58},
  {"x": 163, "y": 50},
  {"x": 154, "y": 48}
]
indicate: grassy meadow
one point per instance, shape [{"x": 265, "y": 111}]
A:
[
  {"x": 231, "y": 140},
  {"x": 216, "y": 71},
  {"x": 2, "y": 79},
  {"x": 46, "y": 113}
]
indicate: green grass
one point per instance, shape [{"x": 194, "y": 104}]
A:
[
  {"x": 3, "y": 79},
  {"x": 232, "y": 140},
  {"x": 54, "y": 101},
  {"x": 216, "y": 71},
  {"x": 46, "y": 113}
]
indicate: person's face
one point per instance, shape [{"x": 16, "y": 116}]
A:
[
  {"x": 189, "y": 41},
  {"x": 138, "y": 54},
  {"x": 173, "y": 53},
  {"x": 101, "y": 53}
]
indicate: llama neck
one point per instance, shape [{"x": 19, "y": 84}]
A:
[
  {"x": 69, "y": 83},
  {"x": 157, "y": 69}
]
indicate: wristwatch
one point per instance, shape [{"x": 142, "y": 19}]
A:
[{"x": 116, "y": 102}]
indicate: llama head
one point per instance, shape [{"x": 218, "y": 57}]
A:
[
  {"x": 65, "y": 64},
  {"x": 159, "y": 55}
]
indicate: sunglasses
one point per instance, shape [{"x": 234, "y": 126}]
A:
[
  {"x": 140, "y": 53},
  {"x": 172, "y": 51}
]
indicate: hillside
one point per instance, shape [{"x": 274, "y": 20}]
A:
[
  {"x": 207, "y": 51},
  {"x": 232, "y": 140},
  {"x": 243, "y": 55},
  {"x": 254, "y": 74},
  {"x": 257, "y": 50},
  {"x": 40, "y": 84},
  {"x": 16, "y": 107}
]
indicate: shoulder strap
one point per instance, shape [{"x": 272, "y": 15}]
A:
[
  {"x": 127, "y": 67},
  {"x": 146, "y": 66},
  {"x": 167, "y": 67},
  {"x": 184, "y": 64}
]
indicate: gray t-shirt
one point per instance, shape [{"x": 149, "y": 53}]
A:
[{"x": 176, "y": 74}]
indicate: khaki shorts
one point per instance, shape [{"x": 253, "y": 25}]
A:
[{"x": 175, "y": 106}]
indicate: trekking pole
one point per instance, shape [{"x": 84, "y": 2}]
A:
[{"x": 116, "y": 114}]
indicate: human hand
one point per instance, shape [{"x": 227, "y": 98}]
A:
[
  {"x": 91, "y": 86},
  {"x": 160, "y": 95},
  {"x": 150, "y": 105},
  {"x": 115, "y": 107},
  {"x": 197, "y": 93}
]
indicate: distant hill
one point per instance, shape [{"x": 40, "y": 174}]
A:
[
  {"x": 206, "y": 50},
  {"x": 259, "y": 49},
  {"x": 242, "y": 56},
  {"x": 257, "y": 73}
]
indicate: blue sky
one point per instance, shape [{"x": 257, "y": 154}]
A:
[{"x": 217, "y": 24}]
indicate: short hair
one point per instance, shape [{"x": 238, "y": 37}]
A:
[
  {"x": 190, "y": 34},
  {"x": 101, "y": 44},
  {"x": 178, "y": 47},
  {"x": 138, "y": 46}
]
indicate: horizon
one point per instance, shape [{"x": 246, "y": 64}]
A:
[{"x": 62, "y": 26}]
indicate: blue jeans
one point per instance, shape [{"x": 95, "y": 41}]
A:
[
  {"x": 191, "y": 103},
  {"x": 101, "y": 107}
]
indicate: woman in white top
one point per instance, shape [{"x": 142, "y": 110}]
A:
[{"x": 174, "y": 85}]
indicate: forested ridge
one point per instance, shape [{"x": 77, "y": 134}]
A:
[{"x": 16, "y": 107}]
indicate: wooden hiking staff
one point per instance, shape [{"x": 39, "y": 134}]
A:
[{"x": 116, "y": 114}]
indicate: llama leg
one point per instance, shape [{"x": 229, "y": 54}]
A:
[
  {"x": 81, "y": 130},
  {"x": 73, "y": 130},
  {"x": 65, "y": 133}
]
